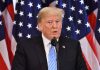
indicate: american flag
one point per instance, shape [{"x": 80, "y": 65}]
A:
[
  {"x": 3, "y": 48},
  {"x": 97, "y": 29},
  {"x": 93, "y": 7},
  {"x": 6, "y": 18},
  {"x": 25, "y": 24},
  {"x": 77, "y": 26}
]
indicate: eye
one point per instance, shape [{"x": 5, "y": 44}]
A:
[
  {"x": 57, "y": 21},
  {"x": 49, "y": 22}
]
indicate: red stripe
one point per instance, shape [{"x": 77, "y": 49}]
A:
[
  {"x": 92, "y": 20},
  {"x": 91, "y": 42},
  {"x": 87, "y": 64},
  {"x": 11, "y": 10},
  {"x": 8, "y": 42},
  {"x": 2, "y": 64}
]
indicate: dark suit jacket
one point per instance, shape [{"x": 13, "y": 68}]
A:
[{"x": 30, "y": 55}]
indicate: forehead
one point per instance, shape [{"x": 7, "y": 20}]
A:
[{"x": 51, "y": 16}]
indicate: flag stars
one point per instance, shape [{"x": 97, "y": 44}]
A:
[
  {"x": 66, "y": 36},
  {"x": 81, "y": 11},
  {"x": 14, "y": 22},
  {"x": 21, "y": 24},
  {"x": 82, "y": 2},
  {"x": 20, "y": 35},
  {"x": 30, "y": 4},
  {"x": 37, "y": 27},
  {"x": 3, "y": 1},
  {"x": 16, "y": 1},
  {"x": 38, "y": 6},
  {"x": 99, "y": 19},
  {"x": 21, "y": 13},
  {"x": 22, "y": 3},
  {"x": 77, "y": 31},
  {"x": 68, "y": 28},
  {"x": 29, "y": 25},
  {"x": 79, "y": 21},
  {"x": 72, "y": 8},
  {"x": 87, "y": 24},
  {"x": 64, "y": 5},
  {"x": 0, "y": 23},
  {"x": 37, "y": 16},
  {"x": 70, "y": 18},
  {"x": 56, "y": 2},
  {"x": 99, "y": 29},
  {"x": 15, "y": 11},
  {"x": 29, "y": 15},
  {"x": 95, "y": 0},
  {"x": 87, "y": 7},
  {"x": 28, "y": 36}
]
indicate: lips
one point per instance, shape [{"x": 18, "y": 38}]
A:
[{"x": 55, "y": 32}]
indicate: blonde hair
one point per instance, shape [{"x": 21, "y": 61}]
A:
[{"x": 50, "y": 11}]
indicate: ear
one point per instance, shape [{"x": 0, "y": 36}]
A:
[{"x": 39, "y": 26}]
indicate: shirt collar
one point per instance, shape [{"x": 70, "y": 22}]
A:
[{"x": 45, "y": 40}]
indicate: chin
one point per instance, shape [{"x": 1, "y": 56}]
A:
[{"x": 56, "y": 37}]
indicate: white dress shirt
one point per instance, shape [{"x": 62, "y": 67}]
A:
[{"x": 47, "y": 45}]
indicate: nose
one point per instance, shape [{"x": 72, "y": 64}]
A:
[{"x": 54, "y": 25}]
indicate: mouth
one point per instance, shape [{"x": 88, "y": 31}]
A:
[{"x": 55, "y": 32}]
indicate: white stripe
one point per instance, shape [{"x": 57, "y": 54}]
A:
[
  {"x": 4, "y": 53},
  {"x": 95, "y": 41},
  {"x": 97, "y": 48},
  {"x": 95, "y": 12},
  {"x": 8, "y": 22},
  {"x": 13, "y": 45},
  {"x": 89, "y": 54},
  {"x": 9, "y": 25}
]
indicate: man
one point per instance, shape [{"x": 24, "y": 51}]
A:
[{"x": 33, "y": 54}]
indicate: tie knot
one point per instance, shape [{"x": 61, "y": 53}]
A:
[{"x": 54, "y": 42}]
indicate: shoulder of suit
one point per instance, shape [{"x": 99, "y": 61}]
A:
[
  {"x": 69, "y": 39},
  {"x": 33, "y": 40}
]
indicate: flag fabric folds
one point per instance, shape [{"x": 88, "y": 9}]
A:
[
  {"x": 6, "y": 25},
  {"x": 92, "y": 8},
  {"x": 77, "y": 26},
  {"x": 3, "y": 47},
  {"x": 97, "y": 28}
]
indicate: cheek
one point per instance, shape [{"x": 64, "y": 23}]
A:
[
  {"x": 60, "y": 26},
  {"x": 59, "y": 29},
  {"x": 47, "y": 29}
]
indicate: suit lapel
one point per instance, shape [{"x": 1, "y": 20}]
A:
[
  {"x": 41, "y": 54},
  {"x": 61, "y": 53}
]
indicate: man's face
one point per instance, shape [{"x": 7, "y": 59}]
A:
[{"x": 51, "y": 26}]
